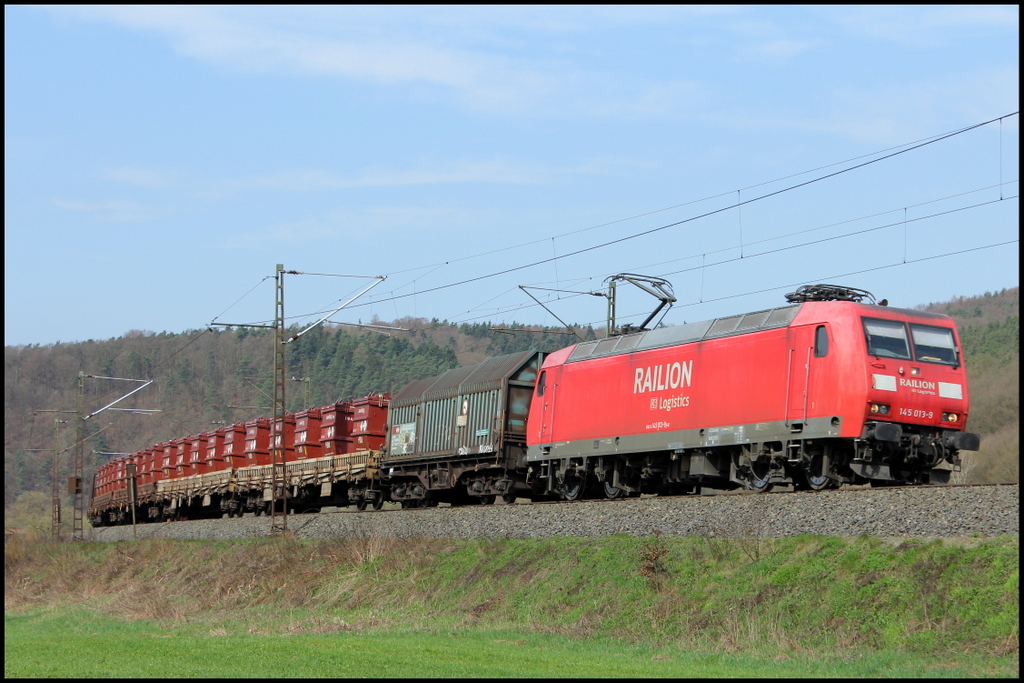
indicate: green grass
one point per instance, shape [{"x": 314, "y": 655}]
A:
[
  {"x": 611, "y": 606},
  {"x": 76, "y": 643}
]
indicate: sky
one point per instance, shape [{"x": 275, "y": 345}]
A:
[{"x": 160, "y": 161}]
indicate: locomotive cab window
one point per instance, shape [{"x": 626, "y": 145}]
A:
[
  {"x": 540, "y": 382},
  {"x": 934, "y": 344},
  {"x": 886, "y": 339},
  {"x": 820, "y": 342}
]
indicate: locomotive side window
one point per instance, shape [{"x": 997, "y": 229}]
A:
[
  {"x": 934, "y": 344},
  {"x": 540, "y": 382},
  {"x": 820, "y": 342},
  {"x": 886, "y": 339}
]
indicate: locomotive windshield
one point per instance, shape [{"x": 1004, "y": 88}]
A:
[
  {"x": 887, "y": 339},
  {"x": 933, "y": 344}
]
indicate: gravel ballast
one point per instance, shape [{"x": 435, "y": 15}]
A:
[{"x": 903, "y": 512}]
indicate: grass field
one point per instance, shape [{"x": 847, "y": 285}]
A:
[
  {"x": 612, "y": 607},
  {"x": 78, "y": 644}
]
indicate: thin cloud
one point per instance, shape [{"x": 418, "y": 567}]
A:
[
  {"x": 920, "y": 26},
  {"x": 780, "y": 50},
  {"x": 113, "y": 211},
  {"x": 878, "y": 116},
  {"x": 223, "y": 37},
  {"x": 455, "y": 50},
  {"x": 140, "y": 177},
  {"x": 345, "y": 224},
  {"x": 479, "y": 172}
]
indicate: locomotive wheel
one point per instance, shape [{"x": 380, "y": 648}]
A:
[
  {"x": 487, "y": 500},
  {"x": 611, "y": 492},
  {"x": 573, "y": 487},
  {"x": 361, "y": 504},
  {"x": 760, "y": 477},
  {"x": 817, "y": 476}
]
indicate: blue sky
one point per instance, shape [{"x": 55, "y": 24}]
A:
[{"x": 160, "y": 161}]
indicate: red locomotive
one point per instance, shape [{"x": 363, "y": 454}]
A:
[
  {"x": 816, "y": 394},
  {"x": 826, "y": 391}
]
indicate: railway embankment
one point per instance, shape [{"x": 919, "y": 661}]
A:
[
  {"x": 899, "y": 512},
  {"x": 807, "y": 596}
]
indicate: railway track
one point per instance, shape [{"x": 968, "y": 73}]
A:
[
  {"x": 905, "y": 511},
  {"x": 736, "y": 493}
]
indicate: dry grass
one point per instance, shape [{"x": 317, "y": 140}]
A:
[
  {"x": 725, "y": 594},
  {"x": 147, "y": 581}
]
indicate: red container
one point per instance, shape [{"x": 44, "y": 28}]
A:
[
  {"x": 370, "y": 415},
  {"x": 214, "y": 456},
  {"x": 233, "y": 450},
  {"x": 181, "y": 457},
  {"x": 307, "y": 434},
  {"x": 119, "y": 482},
  {"x": 368, "y": 422},
  {"x": 157, "y": 471},
  {"x": 197, "y": 453},
  {"x": 145, "y": 466},
  {"x": 288, "y": 436},
  {"x": 257, "y": 442},
  {"x": 135, "y": 460},
  {"x": 334, "y": 426},
  {"x": 169, "y": 460}
]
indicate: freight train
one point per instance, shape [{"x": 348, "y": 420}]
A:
[{"x": 828, "y": 390}]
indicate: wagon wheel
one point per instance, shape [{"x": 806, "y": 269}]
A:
[
  {"x": 378, "y": 501},
  {"x": 508, "y": 498},
  {"x": 487, "y": 500},
  {"x": 816, "y": 472},
  {"x": 612, "y": 492},
  {"x": 361, "y": 504},
  {"x": 573, "y": 486}
]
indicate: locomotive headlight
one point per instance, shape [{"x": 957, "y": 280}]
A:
[
  {"x": 879, "y": 409},
  {"x": 950, "y": 417}
]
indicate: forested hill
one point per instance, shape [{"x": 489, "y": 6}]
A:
[
  {"x": 221, "y": 376},
  {"x": 208, "y": 377}
]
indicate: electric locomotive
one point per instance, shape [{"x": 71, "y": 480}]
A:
[{"x": 832, "y": 389}]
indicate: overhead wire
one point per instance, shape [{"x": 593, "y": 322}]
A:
[
  {"x": 902, "y": 149},
  {"x": 931, "y": 138},
  {"x": 749, "y": 256},
  {"x": 794, "y": 234},
  {"x": 761, "y": 291},
  {"x": 697, "y": 217}
]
